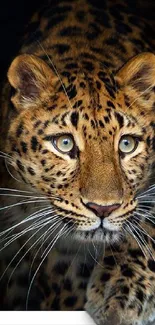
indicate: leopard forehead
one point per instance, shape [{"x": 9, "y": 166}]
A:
[{"x": 85, "y": 105}]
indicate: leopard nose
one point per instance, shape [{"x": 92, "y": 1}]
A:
[{"x": 100, "y": 210}]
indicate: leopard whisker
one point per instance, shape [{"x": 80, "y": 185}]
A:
[
  {"x": 146, "y": 195},
  {"x": 144, "y": 92},
  {"x": 151, "y": 188},
  {"x": 144, "y": 213},
  {"x": 136, "y": 228},
  {"x": 75, "y": 256},
  {"x": 140, "y": 228},
  {"x": 113, "y": 255},
  {"x": 43, "y": 222},
  {"x": 60, "y": 221},
  {"x": 33, "y": 226},
  {"x": 147, "y": 218},
  {"x": 8, "y": 238},
  {"x": 145, "y": 206},
  {"x": 30, "y": 217},
  {"x": 94, "y": 259},
  {"x": 50, "y": 234},
  {"x": 145, "y": 210},
  {"x": 43, "y": 242},
  {"x": 31, "y": 197},
  {"x": 17, "y": 255},
  {"x": 136, "y": 219},
  {"x": 129, "y": 230},
  {"x": 147, "y": 201},
  {"x": 14, "y": 190},
  {"x": 140, "y": 244},
  {"x": 48, "y": 230},
  {"x": 48, "y": 248},
  {"x": 95, "y": 249},
  {"x": 55, "y": 239},
  {"x": 24, "y": 196},
  {"x": 5, "y": 154},
  {"x": 22, "y": 202},
  {"x": 8, "y": 170},
  {"x": 69, "y": 231},
  {"x": 5, "y": 157},
  {"x": 37, "y": 223},
  {"x": 38, "y": 240}
]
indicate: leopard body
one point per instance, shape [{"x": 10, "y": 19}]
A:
[{"x": 85, "y": 70}]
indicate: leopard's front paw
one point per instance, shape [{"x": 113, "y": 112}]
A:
[
  {"x": 111, "y": 314},
  {"x": 118, "y": 301}
]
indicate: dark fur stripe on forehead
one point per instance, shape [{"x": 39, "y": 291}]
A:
[
  {"x": 34, "y": 143},
  {"x": 120, "y": 119},
  {"x": 74, "y": 118}
]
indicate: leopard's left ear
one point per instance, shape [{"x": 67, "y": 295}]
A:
[
  {"x": 137, "y": 78},
  {"x": 32, "y": 79}
]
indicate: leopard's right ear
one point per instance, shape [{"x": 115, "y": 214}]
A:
[{"x": 32, "y": 79}]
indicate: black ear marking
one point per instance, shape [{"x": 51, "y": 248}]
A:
[{"x": 28, "y": 85}]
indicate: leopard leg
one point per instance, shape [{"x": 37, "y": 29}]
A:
[{"x": 121, "y": 290}]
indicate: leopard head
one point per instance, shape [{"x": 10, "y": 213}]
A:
[{"x": 87, "y": 142}]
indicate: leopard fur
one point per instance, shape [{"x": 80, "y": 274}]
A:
[{"x": 86, "y": 72}]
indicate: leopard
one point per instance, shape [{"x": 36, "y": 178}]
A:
[{"x": 77, "y": 141}]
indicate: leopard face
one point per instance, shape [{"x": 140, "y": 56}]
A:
[{"x": 87, "y": 145}]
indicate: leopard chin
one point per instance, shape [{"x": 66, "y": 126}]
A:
[{"x": 99, "y": 235}]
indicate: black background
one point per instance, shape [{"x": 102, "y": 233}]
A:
[{"x": 15, "y": 14}]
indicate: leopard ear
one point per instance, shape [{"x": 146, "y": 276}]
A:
[
  {"x": 137, "y": 78},
  {"x": 32, "y": 80}
]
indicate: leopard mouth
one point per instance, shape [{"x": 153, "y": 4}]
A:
[
  {"x": 107, "y": 232},
  {"x": 97, "y": 228}
]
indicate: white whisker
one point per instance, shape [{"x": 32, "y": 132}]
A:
[
  {"x": 5, "y": 154},
  {"x": 55, "y": 239},
  {"x": 24, "y": 196},
  {"x": 135, "y": 228},
  {"x": 14, "y": 190},
  {"x": 152, "y": 187},
  {"x": 129, "y": 230},
  {"x": 144, "y": 92},
  {"x": 27, "y": 250},
  {"x": 30, "y": 217},
  {"x": 22, "y": 202},
  {"x": 17, "y": 255},
  {"x": 44, "y": 240},
  {"x": 49, "y": 236},
  {"x": 139, "y": 227},
  {"x": 8, "y": 170}
]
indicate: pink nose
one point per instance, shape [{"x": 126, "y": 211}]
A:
[{"x": 100, "y": 210}]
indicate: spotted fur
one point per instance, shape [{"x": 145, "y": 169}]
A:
[{"x": 87, "y": 72}]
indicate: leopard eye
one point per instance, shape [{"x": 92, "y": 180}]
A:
[
  {"x": 63, "y": 143},
  {"x": 128, "y": 144}
]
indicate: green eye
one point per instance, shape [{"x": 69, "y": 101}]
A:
[
  {"x": 64, "y": 143},
  {"x": 128, "y": 144}
]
